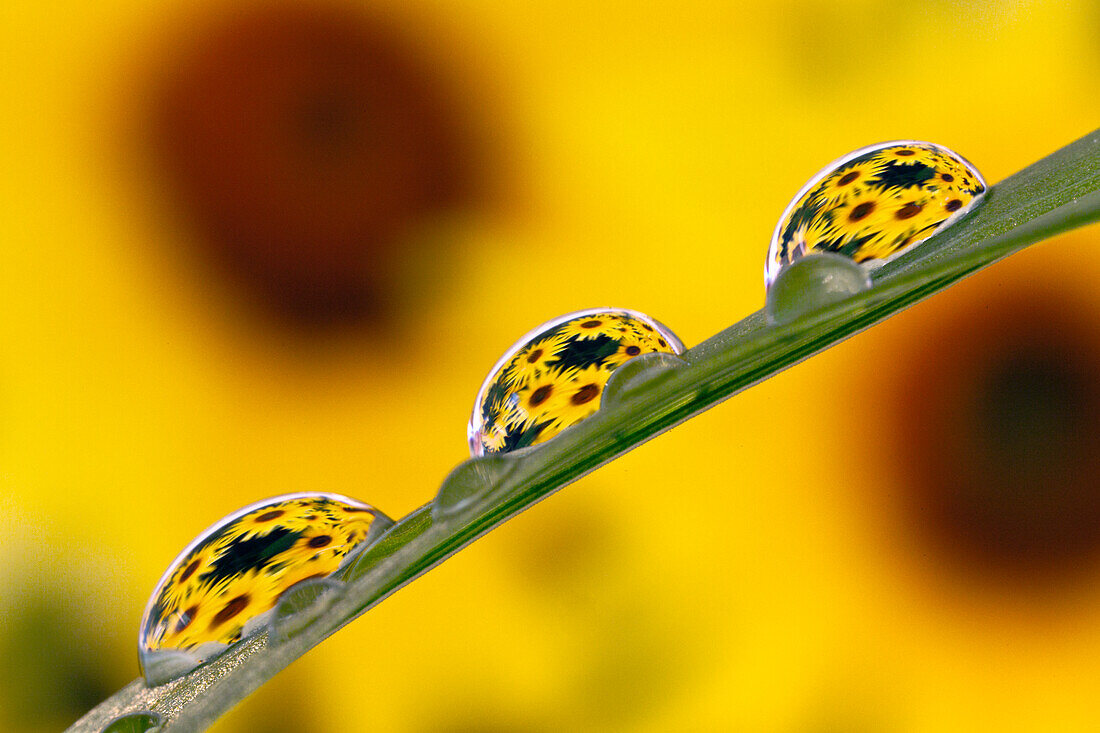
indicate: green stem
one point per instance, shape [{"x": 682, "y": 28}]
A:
[{"x": 1056, "y": 194}]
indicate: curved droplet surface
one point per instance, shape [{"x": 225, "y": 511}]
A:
[
  {"x": 875, "y": 203},
  {"x": 813, "y": 282},
  {"x": 554, "y": 376},
  {"x": 223, "y": 586},
  {"x": 469, "y": 482},
  {"x": 644, "y": 371},
  {"x": 301, "y": 604}
]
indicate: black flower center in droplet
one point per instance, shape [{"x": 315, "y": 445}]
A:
[
  {"x": 230, "y": 609},
  {"x": 861, "y": 211},
  {"x": 540, "y": 395},
  {"x": 189, "y": 571},
  {"x": 587, "y": 393},
  {"x": 908, "y": 211}
]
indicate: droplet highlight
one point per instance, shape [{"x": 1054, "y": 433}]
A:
[
  {"x": 811, "y": 283},
  {"x": 876, "y": 203},
  {"x": 224, "y": 585},
  {"x": 555, "y": 375}
]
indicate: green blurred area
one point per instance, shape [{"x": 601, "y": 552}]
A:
[{"x": 763, "y": 567}]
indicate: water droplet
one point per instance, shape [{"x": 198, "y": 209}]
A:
[
  {"x": 813, "y": 282},
  {"x": 471, "y": 481},
  {"x": 301, "y": 604},
  {"x": 139, "y": 722},
  {"x": 648, "y": 370},
  {"x": 223, "y": 586},
  {"x": 875, "y": 203},
  {"x": 554, "y": 376}
]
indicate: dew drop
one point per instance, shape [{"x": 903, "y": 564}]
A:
[
  {"x": 647, "y": 371},
  {"x": 139, "y": 722},
  {"x": 813, "y": 282},
  {"x": 225, "y": 584},
  {"x": 554, "y": 376},
  {"x": 875, "y": 203},
  {"x": 300, "y": 605},
  {"x": 470, "y": 482}
]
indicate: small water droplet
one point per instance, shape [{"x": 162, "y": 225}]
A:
[
  {"x": 139, "y": 722},
  {"x": 301, "y": 604},
  {"x": 224, "y": 585},
  {"x": 813, "y": 282},
  {"x": 471, "y": 481},
  {"x": 647, "y": 371},
  {"x": 875, "y": 203},
  {"x": 554, "y": 376}
]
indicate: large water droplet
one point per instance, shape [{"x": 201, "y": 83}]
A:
[
  {"x": 139, "y": 722},
  {"x": 813, "y": 282},
  {"x": 300, "y": 605},
  {"x": 875, "y": 203},
  {"x": 645, "y": 372},
  {"x": 554, "y": 376},
  {"x": 223, "y": 586}
]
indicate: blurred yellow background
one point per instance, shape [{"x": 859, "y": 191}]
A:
[{"x": 801, "y": 558}]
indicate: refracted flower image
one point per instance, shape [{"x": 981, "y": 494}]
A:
[
  {"x": 224, "y": 584},
  {"x": 875, "y": 203},
  {"x": 554, "y": 376}
]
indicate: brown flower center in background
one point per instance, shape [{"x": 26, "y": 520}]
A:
[
  {"x": 998, "y": 435},
  {"x": 304, "y": 145}
]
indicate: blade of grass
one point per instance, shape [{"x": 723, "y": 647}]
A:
[{"x": 1056, "y": 194}]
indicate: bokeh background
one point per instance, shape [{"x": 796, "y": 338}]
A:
[{"x": 259, "y": 248}]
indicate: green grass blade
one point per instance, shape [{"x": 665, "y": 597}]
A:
[{"x": 1056, "y": 194}]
